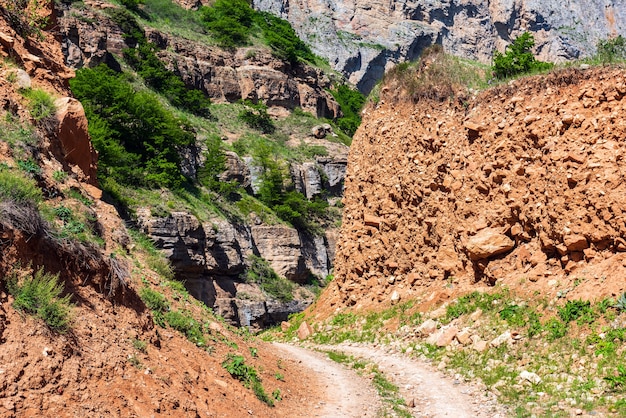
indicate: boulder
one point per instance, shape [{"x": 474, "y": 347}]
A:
[
  {"x": 487, "y": 243},
  {"x": 304, "y": 331}
]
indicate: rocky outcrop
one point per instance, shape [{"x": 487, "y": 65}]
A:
[
  {"x": 211, "y": 256},
  {"x": 363, "y": 38},
  {"x": 253, "y": 73},
  {"x": 522, "y": 182},
  {"x": 74, "y": 137}
]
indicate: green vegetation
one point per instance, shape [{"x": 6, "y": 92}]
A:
[
  {"x": 229, "y": 21},
  {"x": 237, "y": 367},
  {"x": 280, "y": 36},
  {"x": 575, "y": 347},
  {"x": 351, "y": 102},
  {"x": 17, "y": 188},
  {"x": 518, "y": 58},
  {"x": 138, "y": 140},
  {"x": 40, "y": 104},
  {"x": 233, "y": 22},
  {"x": 39, "y": 294},
  {"x": 611, "y": 50},
  {"x": 143, "y": 59},
  {"x": 255, "y": 116},
  {"x": 24, "y": 17},
  {"x": 140, "y": 345},
  {"x": 186, "y": 325},
  {"x": 289, "y": 204},
  {"x": 260, "y": 272},
  {"x": 156, "y": 302}
]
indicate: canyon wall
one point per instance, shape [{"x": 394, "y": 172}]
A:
[{"x": 362, "y": 39}]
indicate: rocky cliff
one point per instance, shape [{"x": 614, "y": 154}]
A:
[
  {"x": 521, "y": 184},
  {"x": 210, "y": 255},
  {"x": 362, "y": 39},
  {"x": 90, "y": 37}
]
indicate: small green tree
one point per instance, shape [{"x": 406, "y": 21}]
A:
[
  {"x": 517, "y": 58},
  {"x": 611, "y": 50},
  {"x": 351, "y": 102}
]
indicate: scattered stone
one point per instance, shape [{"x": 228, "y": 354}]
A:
[
  {"x": 447, "y": 336},
  {"x": 304, "y": 331},
  {"x": 221, "y": 383},
  {"x": 371, "y": 220},
  {"x": 464, "y": 337},
  {"x": 575, "y": 242},
  {"x": 284, "y": 326},
  {"x": 427, "y": 328},
  {"x": 476, "y": 314},
  {"x": 530, "y": 377},
  {"x": 479, "y": 345},
  {"x": 395, "y": 297},
  {"x": 505, "y": 337}
]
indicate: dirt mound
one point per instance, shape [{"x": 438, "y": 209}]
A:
[{"x": 522, "y": 184}]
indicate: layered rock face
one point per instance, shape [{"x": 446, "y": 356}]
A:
[
  {"x": 210, "y": 257},
  {"x": 363, "y": 38},
  {"x": 524, "y": 182},
  {"x": 226, "y": 76}
]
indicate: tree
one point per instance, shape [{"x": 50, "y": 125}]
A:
[{"x": 517, "y": 58}]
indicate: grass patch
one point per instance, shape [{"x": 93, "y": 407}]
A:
[
  {"x": 237, "y": 367},
  {"x": 40, "y": 104},
  {"x": 40, "y": 294},
  {"x": 260, "y": 272},
  {"x": 18, "y": 188}
]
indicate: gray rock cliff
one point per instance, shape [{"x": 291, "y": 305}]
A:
[{"x": 363, "y": 38}]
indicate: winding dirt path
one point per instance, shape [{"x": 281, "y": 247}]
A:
[
  {"x": 432, "y": 393},
  {"x": 345, "y": 393}
]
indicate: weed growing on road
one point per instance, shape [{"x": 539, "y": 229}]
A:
[{"x": 388, "y": 392}]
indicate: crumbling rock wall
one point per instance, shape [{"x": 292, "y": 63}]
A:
[{"x": 523, "y": 182}]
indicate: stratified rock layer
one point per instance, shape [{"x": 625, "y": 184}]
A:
[
  {"x": 525, "y": 181},
  {"x": 363, "y": 38}
]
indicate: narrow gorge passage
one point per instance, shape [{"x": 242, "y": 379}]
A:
[{"x": 433, "y": 393}]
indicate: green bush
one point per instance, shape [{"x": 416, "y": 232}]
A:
[
  {"x": 260, "y": 272},
  {"x": 230, "y": 21},
  {"x": 280, "y": 36},
  {"x": 154, "y": 300},
  {"x": 138, "y": 140},
  {"x": 577, "y": 310},
  {"x": 40, "y": 104},
  {"x": 611, "y": 50},
  {"x": 256, "y": 117},
  {"x": 133, "y": 33},
  {"x": 132, "y": 4},
  {"x": 19, "y": 189},
  {"x": 518, "y": 58},
  {"x": 351, "y": 103},
  {"x": 40, "y": 295},
  {"x": 237, "y": 367},
  {"x": 288, "y": 204}
]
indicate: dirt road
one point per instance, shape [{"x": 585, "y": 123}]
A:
[{"x": 432, "y": 393}]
